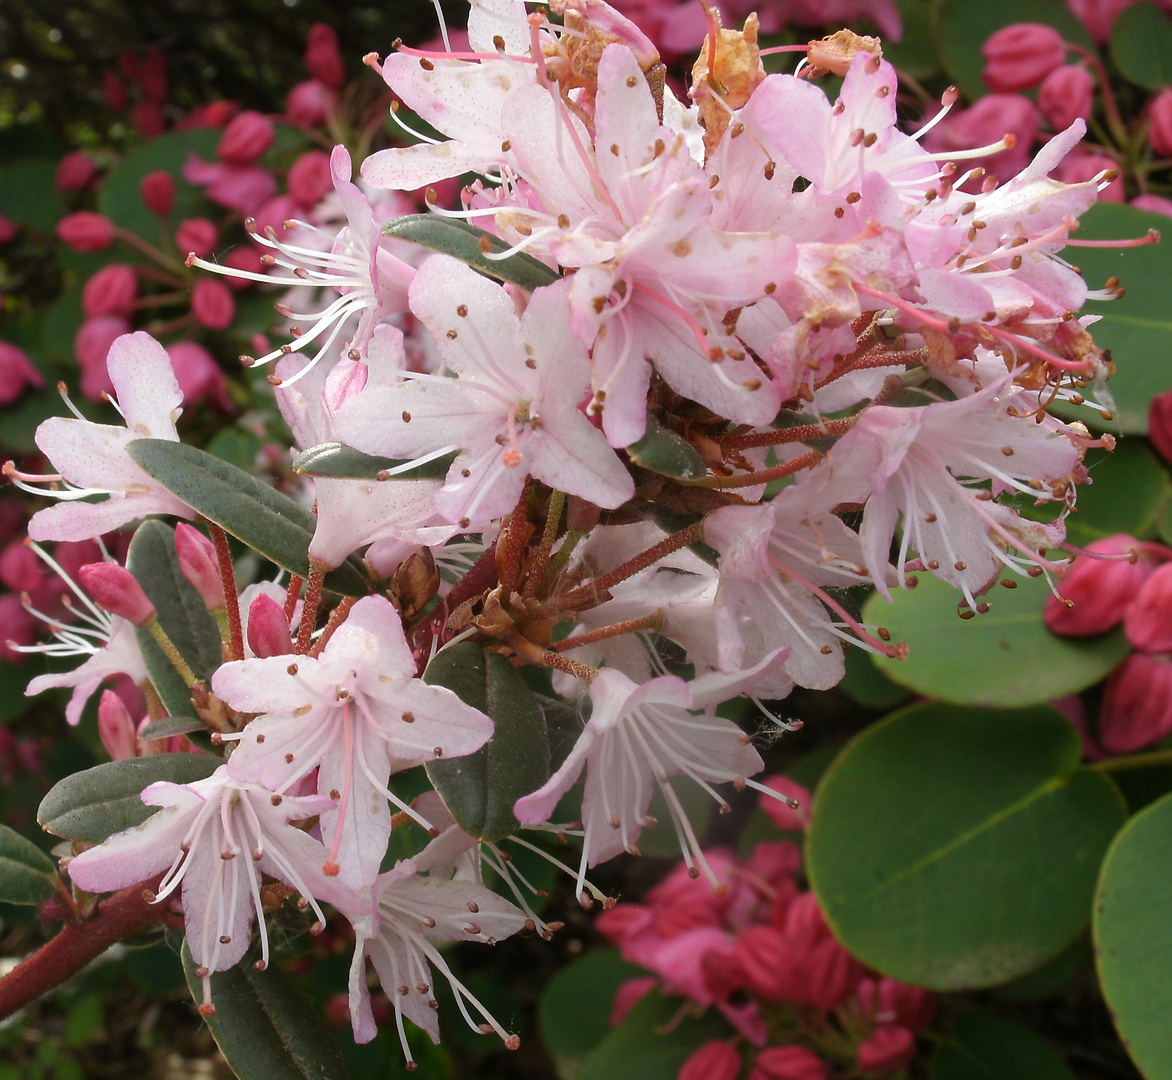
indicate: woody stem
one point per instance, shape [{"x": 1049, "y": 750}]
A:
[{"x": 231, "y": 598}]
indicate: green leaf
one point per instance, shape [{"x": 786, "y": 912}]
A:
[
  {"x": 1141, "y": 46},
  {"x": 1133, "y": 937},
  {"x": 866, "y": 684},
  {"x": 336, "y": 459},
  {"x": 461, "y": 240},
  {"x": 915, "y": 53},
  {"x": 958, "y": 848},
  {"x": 1004, "y": 657},
  {"x": 252, "y": 511},
  {"x": 29, "y": 195},
  {"x": 987, "y": 1047},
  {"x": 663, "y": 451},
  {"x": 172, "y": 725},
  {"x": 1129, "y": 492},
  {"x": 1052, "y": 977},
  {"x": 173, "y": 691},
  {"x": 480, "y": 789},
  {"x": 574, "y": 1010},
  {"x": 649, "y": 1044},
  {"x": 265, "y": 1027},
  {"x": 27, "y": 874},
  {"x": 96, "y": 803}
]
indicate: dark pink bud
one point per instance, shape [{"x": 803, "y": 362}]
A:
[
  {"x": 1148, "y": 621},
  {"x": 1160, "y": 123},
  {"x": 8, "y": 230},
  {"x": 1160, "y": 423},
  {"x": 788, "y": 1063},
  {"x": 831, "y": 974},
  {"x": 153, "y": 77},
  {"x": 274, "y": 213},
  {"x": 17, "y": 372},
  {"x": 1137, "y": 704},
  {"x": 247, "y": 137},
  {"x": 111, "y": 291},
  {"x": 628, "y": 995},
  {"x": 1153, "y": 204},
  {"x": 310, "y": 103},
  {"x": 20, "y": 628},
  {"x": 1099, "y": 590},
  {"x": 322, "y": 56},
  {"x": 766, "y": 959},
  {"x": 115, "y": 728},
  {"x": 268, "y": 629},
  {"x": 20, "y": 569},
  {"x": 715, "y": 1060},
  {"x": 780, "y": 812},
  {"x": 115, "y": 588},
  {"x": 198, "y": 563},
  {"x": 721, "y": 973},
  {"x": 196, "y": 236},
  {"x": 310, "y": 179},
  {"x": 114, "y": 91},
  {"x": 147, "y": 118},
  {"x": 1067, "y": 94},
  {"x": 158, "y": 192},
  {"x": 1098, "y": 16},
  {"x": 1020, "y": 56},
  {"x": 889, "y": 1047},
  {"x": 1079, "y": 167},
  {"x": 911, "y": 1007},
  {"x": 129, "y": 64},
  {"x": 86, "y": 231},
  {"x": 247, "y": 258},
  {"x": 200, "y": 377},
  {"x": 804, "y": 920},
  {"x": 74, "y": 171},
  {"x": 91, "y": 345},
  {"x": 212, "y": 304}
]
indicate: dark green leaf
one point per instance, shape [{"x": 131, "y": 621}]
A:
[
  {"x": 27, "y": 874},
  {"x": 252, "y": 511},
  {"x": 1009, "y": 657},
  {"x": 958, "y": 848},
  {"x": 663, "y": 451},
  {"x": 29, "y": 195},
  {"x": 336, "y": 459},
  {"x": 1141, "y": 46},
  {"x": 1129, "y": 491},
  {"x": 915, "y": 53},
  {"x": 1133, "y": 937},
  {"x": 461, "y": 240},
  {"x": 1053, "y": 977},
  {"x": 480, "y": 789},
  {"x": 866, "y": 684},
  {"x": 265, "y": 1027},
  {"x": 172, "y": 725},
  {"x": 96, "y": 803},
  {"x": 987, "y": 1047}
]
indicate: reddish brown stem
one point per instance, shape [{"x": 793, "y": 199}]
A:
[
  {"x": 317, "y": 574},
  {"x": 789, "y": 435},
  {"x": 293, "y": 595},
  {"x": 590, "y": 589},
  {"x": 337, "y": 617},
  {"x": 231, "y": 597},
  {"x": 481, "y": 577},
  {"x": 117, "y": 917},
  {"x": 762, "y": 476},
  {"x": 509, "y": 569},
  {"x": 654, "y": 621}
]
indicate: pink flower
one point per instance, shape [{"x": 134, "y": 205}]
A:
[
  {"x": 1154, "y": 204},
  {"x": 17, "y": 373},
  {"x": 116, "y": 589},
  {"x": 115, "y": 727},
  {"x": 196, "y": 234},
  {"x": 212, "y": 304},
  {"x": 268, "y": 628},
  {"x": 91, "y": 346},
  {"x": 788, "y": 1063},
  {"x": 1019, "y": 56},
  {"x": 888, "y": 1048},
  {"x": 147, "y": 118},
  {"x": 1137, "y": 704},
  {"x": 199, "y": 565},
  {"x": 1160, "y": 123},
  {"x": 1067, "y": 94},
  {"x": 1098, "y": 590},
  {"x": 74, "y": 171},
  {"x": 715, "y": 1060},
  {"x": 200, "y": 377},
  {"x": 245, "y": 139},
  {"x": 158, "y": 192},
  {"x": 984, "y": 123},
  {"x": 1098, "y": 16},
  {"x": 111, "y": 291},
  {"x": 86, "y": 231},
  {"x": 310, "y": 103},
  {"x": 237, "y": 187}
]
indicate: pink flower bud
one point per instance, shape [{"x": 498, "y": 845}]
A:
[
  {"x": 247, "y": 137},
  {"x": 17, "y": 372},
  {"x": 148, "y": 120},
  {"x": 268, "y": 629},
  {"x": 74, "y": 171},
  {"x": 115, "y": 728},
  {"x": 715, "y": 1060},
  {"x": 199, "y": 565},
  {"x": 780, "y": 812},
  {"x": 890, "y": 1047},
  {"x": 86, "y": 231},
  {"x": 274, "y": 213},
  {"x": 158, "y": 192},
  {"x": 114, "y": 91},
  {"x": 115, "y": 588},
  {"x": 788, "y": 1063},
  {"x": 1160, "y": 423},
  {"x": 1137, "y": 704},
  {"x": 129, "y": 64},
  {"x": 245, "y": 257},
  {"x": 20, "y": 628},
  {"x": 889, "y": 1001},
  {"x": 8, "y": 230},
  {"x": 1153, "y": 204},
  {"x": 1098, "y": 16},
  {"x": 91, "y": 345},
  {"x": 766, "y": 959},
  {"x": 1099, "y": 589},
  {"x": 985, "y": 123},
  {"x": 1160, "y": 123},
  {"x": 1067, "y": 94},
  {"x": 20, "y": 569},
  {"x": 322, "y": 57},
  {"x": 111, "y": 291},
  {"x": 831, "y": 974},
  {"x": 310, "y": 103},
  {"x": 1078, "y": 167},
  {"x": 197, "y": 236},
  {"x": 1021, "y": 55},
  {"x": 153, "y": 77},
  {"x": 200, "y": 377},
  {"x": 1148, "y": 620},
  {"x": 310, "y": 178},
  {"x": 212, "y": 304},
  {"x": 628, "y": 995}
]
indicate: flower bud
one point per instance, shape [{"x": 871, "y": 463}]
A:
[
  {"x": 200, "y": 377},
  {"x": 158, "y": 192},
  {"x": 889, "y": 1047},
  {"x": 310, "y": 178},
  {"x": 114, "y": 91},
  {"x": 1067, "y": 94},
  {"x": 766, "y": 958},
  {"x": 153, "y": 76},
  {"x": 196, "y": 236},
  {"x": 831, "y": 974},
  {"x": 116, "y": 589},
  {"x": 244, "y": 257},
  {"x": 715, "y": 1060},
  {"x": 115, "y": 728},
  {"x": 1148, "y": 620},
  {"x": 322, "y": 56},
  {"x": 111, "y": 291},
  {"x": 8, "y": 230},
  {"x": 985, "y": 123},
  {"x": 20, "y": 569},
  {"x": 788, "y": 1063},
  {"x": 86, "y": 231},
  {"x": 1160, "y": 123},
  {"x": 20, "y": 628},
  {"x": 1160, "y": 424},
  {"x": 1153, "y": 204},
  {"x": 1098, "y": 16},
  {"x": 212, "y": 304},
  {"x": 779, "y": 811},
  {"x": 889, "y": 1001},
  {"x": 91, "y": 345},
  {"x": 268, "y": 629},
  {"x": 148, "y": 120},
  {"x": 199, "y": 565},
  {"x": 17, "y": 372},
  {"x": 310, "y": 103},
  {"x": 628, "y": 995},
  {"x": 74, "y": 171},
  {"x": 1137, "y": 704},
  {"x": 247, "y": 137},
  {"x": 1099, "y": 590},
  {"x": 1021, "y": 55}
]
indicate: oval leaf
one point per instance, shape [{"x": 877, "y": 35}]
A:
[
  {"x": 335, "y": 459},
  {"x": 983, "y": 1046},
  {"x": 252, "y": 511},
  {"x": 27, "y": 874},
  {"x": 1141, "y": 46},
  {"x": 463, "y": 241},
  {"x": 958, "y": 848},
  {"x": 1133, "y": 937},
  {"x": 170, "y": 726},
  {"x": 1010, "y": 658},
  {"x": 663, "y": 451},
  {"x": 96, "y": 803},
  {"x": 480, "y": 789},
  {"x": 265, "y": 1027}
]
